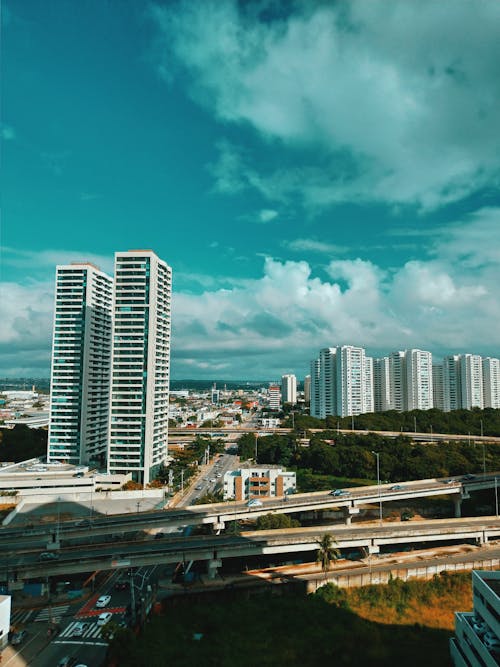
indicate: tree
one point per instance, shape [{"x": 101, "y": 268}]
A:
[{"x": 327, "y": 552}]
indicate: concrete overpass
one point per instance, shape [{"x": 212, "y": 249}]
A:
[{"x": 19, "y": 565}]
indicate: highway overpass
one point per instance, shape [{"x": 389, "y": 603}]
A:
[{"x": 108, "y": 555}]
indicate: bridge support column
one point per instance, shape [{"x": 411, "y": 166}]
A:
[
  {"x": 373, "y": 549},
  {"x": 212, "y": 566},
  {"x": 348, "y": 512},
  {"x": 457, "y": 502},
  {"x": 220, "y": 525}
]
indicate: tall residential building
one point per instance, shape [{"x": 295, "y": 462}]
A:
[
  {"x": 307, "y": 389},
  {"x": 80, "y": 373},
  {"x": 437, "y": 386},
  {"x": 381, "y": 385},
  {"x": 452, "y": 394},
  {"x": 491, "y": 382},
  {"x": 274, "y": 396},
  {"x": 418, "y": 366},
  {"x": 471, "y": 381},
  {"x": 138, "y": 430},
  {"x": 289, "y": 389},
  {"x": 397, "y": 376},
  {"x": 341, "y": 382}
]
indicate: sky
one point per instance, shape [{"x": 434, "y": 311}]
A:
[{"x": 315, "y": 173}]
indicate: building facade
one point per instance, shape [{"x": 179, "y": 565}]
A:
[
  {"x": 289, "y": 389},
  {"x": 491, "y": 382},
  {"x": 274, "y": 397},
  {"x": 253, "y": 481},
  {"x": 418, "y": 385},
  {"x": 80, "y": 371},
  {"x": 138, "y": 430}
]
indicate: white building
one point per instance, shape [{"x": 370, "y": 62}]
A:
[
  {"x": 252, "y": 481},
  {"x": 80, "y": 372},
  {"x": 491, "y": 382},
  {"x": 289, "y": 389},
  {"x": 397, "y": 381},
  {"x": 140, "y": 364},
  {"x": 471, "y": 381},
  {"x": 381, "y": 385},
  {"x": 418, "y": 390},
  {"x": 477, "y": 634},
  {"x": 452, "y": 393},
  {"x": 274, "y": 397},
  {"x": 5, "y": 606},
  {"x": 437, "y": 386},
  {"x": 307, "y": 389}
]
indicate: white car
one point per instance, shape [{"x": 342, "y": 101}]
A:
[
  {"x": 78, "y": 629},
  {"x": 254, "y": 503},
  {"x": 104, "y": 618},
  {"x": 103, "y": 601}
]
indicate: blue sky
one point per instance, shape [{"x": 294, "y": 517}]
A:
[{"x": 316, "y": 173}]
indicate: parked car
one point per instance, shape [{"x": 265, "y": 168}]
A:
[
  {"x": 254, "y": 503},
  {"x": 104, "y": 618},
  {"x": 48, "y": 555},
  {"x": 65, "y": 661},
  {"x": 103, "y": 601},
  {"x": 18, "y": 637}
]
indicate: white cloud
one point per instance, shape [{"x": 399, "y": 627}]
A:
[
  {"x": 267, "y": 214},
  {"x": 399, "y": 99},
  {"x": 8, "y": 132},
  {"x": 312, "y": 245},
  {"x": 48, "y": 259}
]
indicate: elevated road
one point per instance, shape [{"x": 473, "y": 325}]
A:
[{"x": 111, "y": 555}]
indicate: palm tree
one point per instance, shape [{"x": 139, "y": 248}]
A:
[{"x": 327, "y": 552}]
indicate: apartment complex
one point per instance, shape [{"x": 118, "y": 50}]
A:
[
  {"x": 477, "y": 634},
  {"x": 81, "y": 363},
  {"x": 470, "y": 381},
  {"x": 111, "y": 365},
  {"x": 289, "y": 389},
  {"x": 138, "y": 430},
  {"x": 274, "y": 397},
  {"x": 341, "y": 382},
  {"x": 251, "y": 481}
]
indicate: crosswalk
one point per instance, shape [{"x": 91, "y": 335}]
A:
[
  {"x": 53, "y": 613},
  {"x": 21, "y": 616},
  {"x": 90, "y": 631}
]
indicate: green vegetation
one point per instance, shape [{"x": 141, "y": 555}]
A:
[
  {"x": 281, "y": 629},
  {"x": 187, "y": 460},
  {"x": 349, "y": 457},
  {"x": 208, "y": 498},
  {"x": 21, "y": 443},
  {"x": 327, "y": 552},
  {"x": 274, "y": 521}
]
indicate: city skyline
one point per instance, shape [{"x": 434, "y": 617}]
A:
[{"x": 315, "y": 173}]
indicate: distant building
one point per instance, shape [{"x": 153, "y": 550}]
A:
[
  {"x": 477, "y": 634},
  {"x": 381, "y": 385},
  {"x": 307, "y": 389},
  {"x": 289, "y": 389},
  {"x": 253, "y": 481},
  {"x": 81, "y": 357},
  {"x": 438, "y": 386},
  {"x": 274, "y": 397},
  {"x": 5, "y": 606},
  {"x": 491, "y": 382}
]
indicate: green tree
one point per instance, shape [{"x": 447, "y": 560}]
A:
[{"x": 327, "y": 552}]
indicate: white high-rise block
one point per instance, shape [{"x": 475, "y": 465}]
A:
[
  {"x": 140, "y": 364},
  {"x": 418, "y": 392},
  {"x": 491, "y": 382},
  {"x": 452, "y": 391},
  {"x": 471, "y": 381},
  {"x": 381, "y": 385},
  {"x": 437, "y": 386},
  {"x": 289, "y": 389},
  {"x": 80, "y": 372}
]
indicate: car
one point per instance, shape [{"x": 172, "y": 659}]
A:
[
  {"x": 18, "y": 637},
  {"x": 254, "y": 503},
  {"x": 468, "y": 477},
  {"x": 78, "y": 629},
  {"x": 340, "y": 492},
  {"x": 83, "y": 522},
  {"x": 198, "y": 488},
  {"x": 448, "y": 481},
  {"x": 65, "y": 661},
  {"x": 213, "y": 479},
  {"x": 218, "y": 474},
  {"x": 103, "y": 601},
  {"x": 397, "y": 487},
  {"x": 48, "y": 555},
  {"x": 123, "y": 585},
  {"x": 104, "y": 618}
]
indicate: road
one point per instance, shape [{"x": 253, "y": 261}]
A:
[{"x": 212, "y": 478}]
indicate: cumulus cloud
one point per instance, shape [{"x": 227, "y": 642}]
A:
[
  {"x": 392, "y": 101},
  {"x": 8, "y": 133},
  {"x": 313, "y": 245},
  {"x": 42, "y": 260}
]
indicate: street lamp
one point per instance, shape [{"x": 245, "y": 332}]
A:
[
  {"x": 256, "y": 446},
  {"x": 496, "y": 497},
  {"x": 377, "y": 454},
  {"x": 484, "y": 458},
  {"x": 414, "y": 423}
]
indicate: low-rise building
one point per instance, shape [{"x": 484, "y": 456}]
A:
[
  {"x": 252, "y": 481},
  {"x": 4, "y": 620},
  {"x": 477, "y": 634}
]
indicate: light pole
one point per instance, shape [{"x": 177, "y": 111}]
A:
[
  {"x": 377, "y": 454},
  {"x": 484, "y": 459},
  {"x": 256, "y": 446},
  {"x": 496, "y": 497},
  {"x": 182, "y": 481},
  {"x": 352, "y": 422},
  {"x": 431, "y": 432},
  {"x": 414, "y": 424},
  {"x": 481, "y": 428}
]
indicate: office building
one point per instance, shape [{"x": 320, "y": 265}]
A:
[
  {"x": 140, "y": 365},
  {"x": 289, "y": 389},
  {"x": 477, "y": 634},
  {"x": 80, "y": 371}
]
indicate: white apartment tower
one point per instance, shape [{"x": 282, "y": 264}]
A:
[
  {"x": 397, "y": 377},
  {"x": 274, "y": 397},
  {"x": 80, "y": 371},
  {"x": 452, "y": 394},
  {"x": 418, "y": 366},
  {"x": 437, "y": 386},
  {"x": 381, "y": 385},
  {"x": 314, "y": 408},
  {"x": 471, "y": 381},
  {"x": 307, "y": 389},
  {"x": 289, "y": 389},
  {"x": 138, "y": 428},
  {"x": 491, "y": 382}
]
